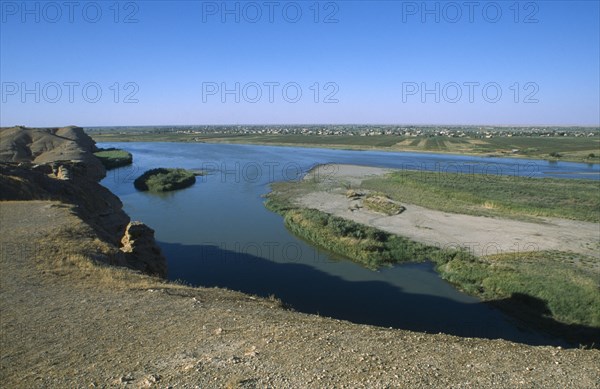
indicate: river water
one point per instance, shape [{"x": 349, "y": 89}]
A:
[{"x": 218, "y": 233}]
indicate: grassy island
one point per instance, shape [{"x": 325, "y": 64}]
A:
[
  {"x": 113, "y": 158},
  {"x": 164, "y": 180}
]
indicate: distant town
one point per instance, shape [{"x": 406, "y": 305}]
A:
[{"x": 358, "y": 130}]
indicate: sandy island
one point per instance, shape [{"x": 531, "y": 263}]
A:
[{"x": 479, "y": 234}]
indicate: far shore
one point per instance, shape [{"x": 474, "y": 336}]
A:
[{"x": 395, "y": 149}]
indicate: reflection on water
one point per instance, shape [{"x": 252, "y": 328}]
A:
[{"x": 218, "y": 233}]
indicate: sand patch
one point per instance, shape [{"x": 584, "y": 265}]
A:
[{"x": 482, "y": 235}]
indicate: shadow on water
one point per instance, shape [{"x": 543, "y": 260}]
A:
[{"x": 309, "y": 290}]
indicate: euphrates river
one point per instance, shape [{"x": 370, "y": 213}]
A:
[{"x": 218, "y": 233}]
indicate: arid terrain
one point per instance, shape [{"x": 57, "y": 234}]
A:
[
  {"x": 69, "y": 323},
  {"x": 76, "y": 310}
]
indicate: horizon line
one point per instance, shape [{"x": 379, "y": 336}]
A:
[{"x": 313, "y": 124}]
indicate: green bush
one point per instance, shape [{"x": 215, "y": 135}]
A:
[
  {"x": 164, "y": 180},
  {"x": 366, "y": 245}
]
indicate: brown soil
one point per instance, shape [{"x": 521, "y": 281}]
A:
[{"x": 68, "y": 323}]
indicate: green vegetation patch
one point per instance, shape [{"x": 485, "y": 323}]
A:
[
  {"x": 485, "y": 195},
  {"x": 556, "y": 286},
  {"x": 435, "y": 144},
  {"x": 551, "y": 290},
  {"x": 114, "y": 158},
  {"x": 366, "y": 245},
  {"x": 540, "y": 145},
  {"x": 164, "y": 180}
]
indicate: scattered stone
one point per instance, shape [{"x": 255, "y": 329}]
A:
[
  {"x": 354, "y": 207},
  {"x": 126, "y": 379},
  {"x": 154, "y": 377}
]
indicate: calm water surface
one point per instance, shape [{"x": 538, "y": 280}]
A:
[{"x": 218, "y": 233}]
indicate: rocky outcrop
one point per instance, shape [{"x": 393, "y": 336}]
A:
[
  {"x": 32, "y": 168},
  {"x": 141, "y": 250},
  {"x": 50, "y": 145},
  {"x": 66, "y": 182}
]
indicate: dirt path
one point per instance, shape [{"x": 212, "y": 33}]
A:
[
  {"x": 84, "y": 326},
  {"x": 481, "y": 235}
]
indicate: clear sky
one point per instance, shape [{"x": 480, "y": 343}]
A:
[{"x": 95, "y": 63}]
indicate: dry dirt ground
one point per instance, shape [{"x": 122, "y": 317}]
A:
[
  {"x": 482, "y": 235},
  {"x": 67, "y": 323}
]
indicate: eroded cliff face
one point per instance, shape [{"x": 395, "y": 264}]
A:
[
  {"x": 48, "y": 145},
  {"x": 141, "y": 250},
  {"x": 59, "y": 165}
]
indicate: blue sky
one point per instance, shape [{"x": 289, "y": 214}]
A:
[{"x": 282, "y": 62}]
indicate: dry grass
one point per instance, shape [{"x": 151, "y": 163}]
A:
[
  {"x": 489, "y": 205},
  {"x": 73, "y": 252}
]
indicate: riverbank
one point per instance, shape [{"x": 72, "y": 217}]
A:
[
  {"x": 58, "y": 164},
  {"x": 543, "y": 271},
  {"x": 69, "y": 322}
]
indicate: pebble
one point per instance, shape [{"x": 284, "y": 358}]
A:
[{"x": 126, "y": 378}]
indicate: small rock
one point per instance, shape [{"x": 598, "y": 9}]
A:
[
  {"x": 188, "y": 367},
  {"x": 154, "y": 377},
  {"x": 126, "y": 378}
]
